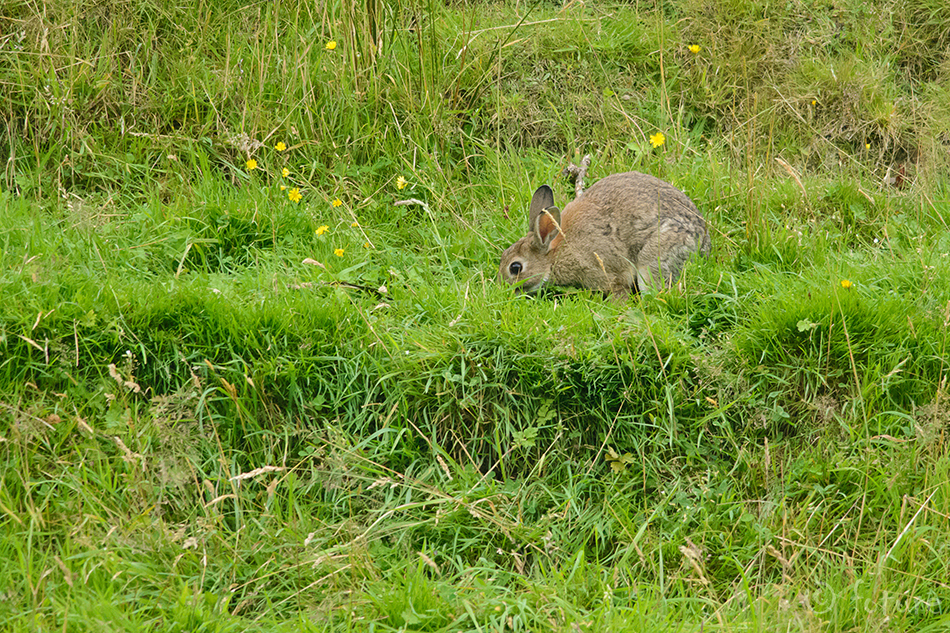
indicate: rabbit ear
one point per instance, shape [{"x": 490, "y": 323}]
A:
[
  {"x": 541, "y": 200},
  {"x": 547, "y": 226}
]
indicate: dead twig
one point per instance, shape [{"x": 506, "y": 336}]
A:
[{"x": 576, "y": 174}]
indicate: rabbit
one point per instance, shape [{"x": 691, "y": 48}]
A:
[{"x": 629, "y": 232}]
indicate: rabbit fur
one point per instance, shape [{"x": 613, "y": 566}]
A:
[{"x": 628, "y": 232}]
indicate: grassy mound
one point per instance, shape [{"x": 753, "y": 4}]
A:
[{"x": 256, "y": 372}]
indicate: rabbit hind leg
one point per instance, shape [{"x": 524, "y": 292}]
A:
[{"x": 659, "y": 265}]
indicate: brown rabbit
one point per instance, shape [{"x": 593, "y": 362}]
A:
[{"x": 628, "y": 232}]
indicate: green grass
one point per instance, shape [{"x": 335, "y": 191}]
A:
[{"x": 216, "y": 415}]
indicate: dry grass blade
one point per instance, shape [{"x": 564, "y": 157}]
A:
[{"x": 794, "y": 174}]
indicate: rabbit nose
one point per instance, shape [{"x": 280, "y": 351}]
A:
[{"x": 515, "y": 269}]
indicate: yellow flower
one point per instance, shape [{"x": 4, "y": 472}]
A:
[
  {"x": 294, "y": 195},
  {"x": 338, "y": 252},
  {"x": 867, "y": 146},
  {"x": 322, "y": 229},
  {"x": 846, "y": 283},
  {"x": 401, "y": 183},
  {"x": 814, "y": 103},
  {"x": 365, "y": 244},
  {"x": 251, "y": 165},
  {"x": 337, "y": 203},
  {"x": 284, "y": 172},
  {"x": 330, "y": 45},
  {"x": 355, "y": 225},
  {"x": 657, "y": 139},
  {"x": 280, "y": 146},
  {"x": 283, "y": 187},
  {"x": 694, "y": 49}
]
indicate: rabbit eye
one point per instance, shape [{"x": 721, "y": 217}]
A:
[{"x": 515, "y": 268}]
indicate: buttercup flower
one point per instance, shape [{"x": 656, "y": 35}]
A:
[
  {"x": 251, "y": 165},
  {"x": 694, "y": 49},
  {"x": 294, "y": 195},
  {"x": 322, "y": 229},
  {"x": 657, "y": 139},
  {"x": 338, "y": 252},
  {"x": 330, "y": 45},
  {"x": 401, "y": 183},
  {"x": 280, "y": 146},
  {"x": 355, "y": 224},
  {"x": 337, "y": 203},
  {"x": 284, "y": 172},
  {"x": 846, "y": 283}
]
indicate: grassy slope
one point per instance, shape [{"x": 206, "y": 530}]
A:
[{"x": 761, "y": 448}]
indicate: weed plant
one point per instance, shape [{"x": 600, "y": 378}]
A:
[{"x": 256, "y": 372}]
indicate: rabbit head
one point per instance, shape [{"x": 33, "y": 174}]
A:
[{"x": 527, "y": 263}]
